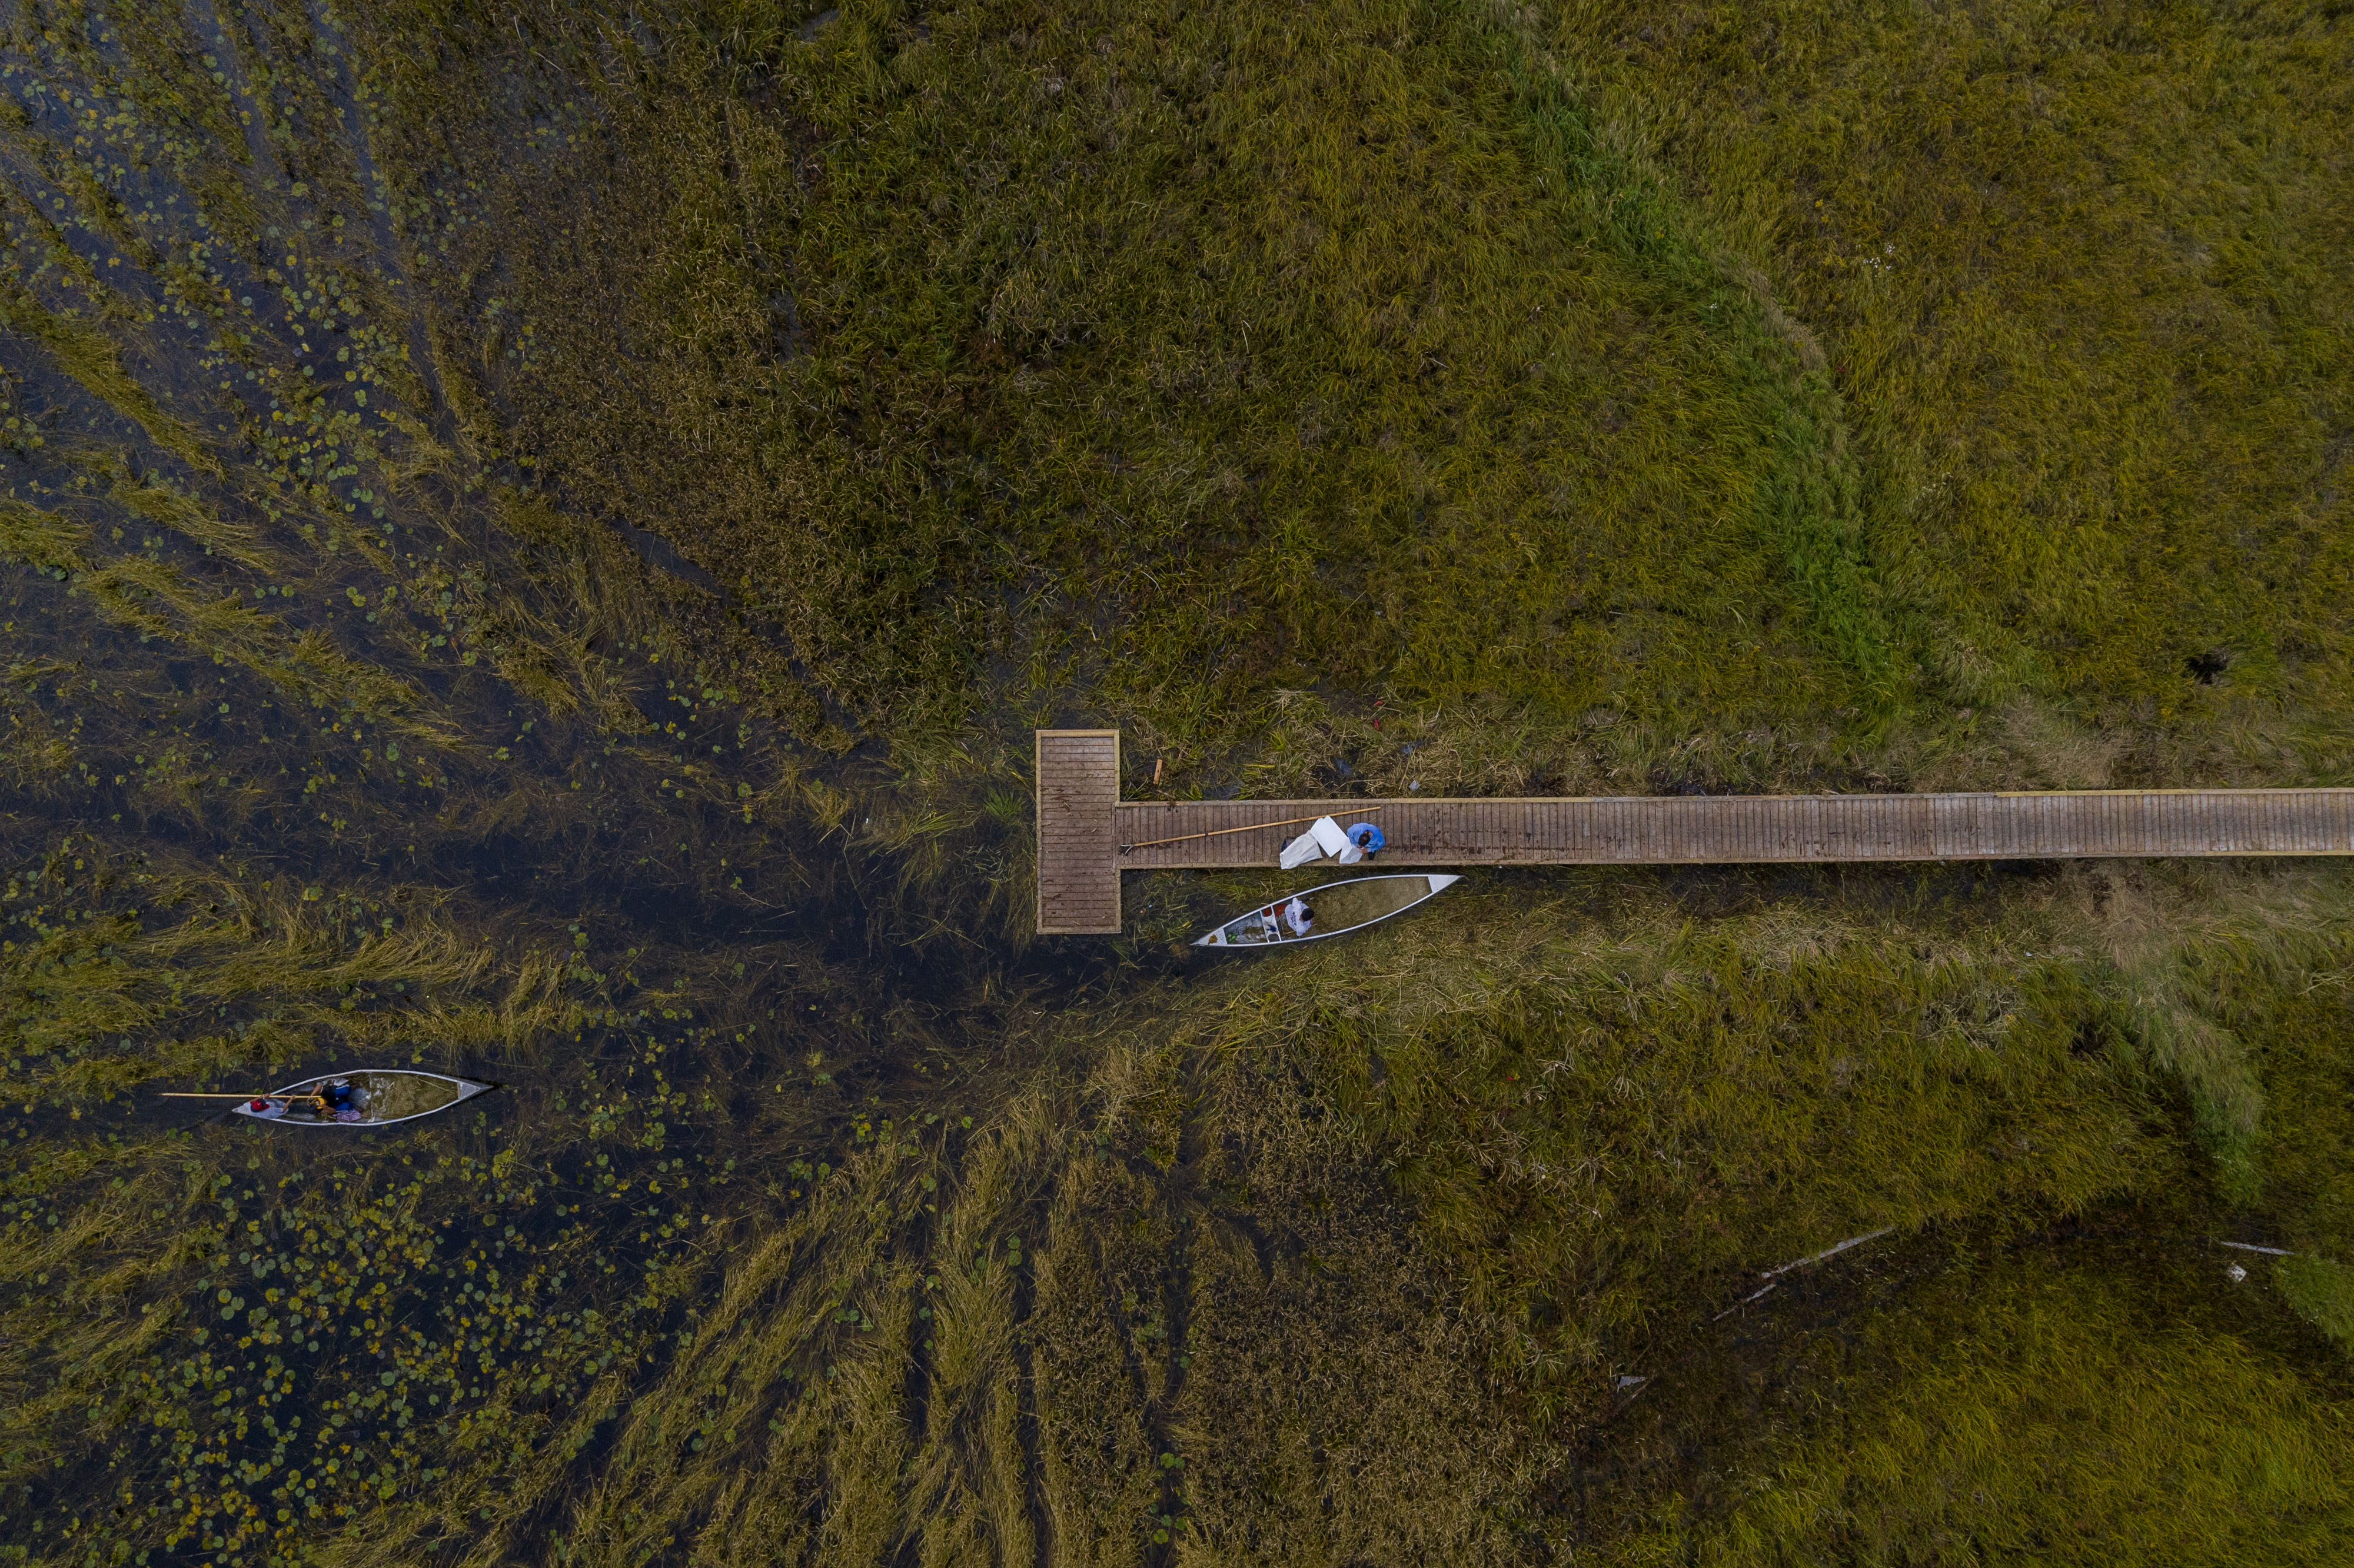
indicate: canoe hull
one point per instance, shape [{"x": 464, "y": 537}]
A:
[
  {"x": 1340, "y": 907},
  {"x": 386, "y": 1097}
]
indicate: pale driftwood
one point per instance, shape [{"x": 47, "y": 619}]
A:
[
  {"x": 1772, "y": 1275},
  {"x": 1829, "y": 1252}
]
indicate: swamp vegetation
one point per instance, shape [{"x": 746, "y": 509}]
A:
[{"x": 536, "y": 535}]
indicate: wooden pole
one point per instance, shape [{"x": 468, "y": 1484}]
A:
[
  {"x": 1214, "y": 833},
  {"x": 221, "y": 1094}
]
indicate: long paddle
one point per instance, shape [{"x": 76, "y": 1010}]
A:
[{"x": 1214, "y": 833}]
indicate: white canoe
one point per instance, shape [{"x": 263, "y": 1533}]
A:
[
  {"x": 382, "y": 1095},
  {"x": 1339, "y": 907}
]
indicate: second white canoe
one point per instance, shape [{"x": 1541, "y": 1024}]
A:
[{"x": 1338, "y": 907}]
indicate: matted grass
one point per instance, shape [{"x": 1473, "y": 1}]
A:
[
  {"x": 2044, "y": 1413},
  {"x": 2075, "y": 274},
  {"x": 1332, "y": 355}
]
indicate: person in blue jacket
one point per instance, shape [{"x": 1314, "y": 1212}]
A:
[{"x": 1368, "y": 839}]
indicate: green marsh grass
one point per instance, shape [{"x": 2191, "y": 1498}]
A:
[
  {"x": 1438, "y": 406},
  {"x": 2322, "y": 1292},
  {"x": 2046, "y": 1413},
  {"x": 2082, "y": 355}
]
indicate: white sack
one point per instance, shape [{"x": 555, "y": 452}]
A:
[
  {"x": 1323, "y": 837},
  {"x": 1352, "y": 855}
]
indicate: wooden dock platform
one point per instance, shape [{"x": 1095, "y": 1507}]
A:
[
  {"x": 1082, "y": 823},
  {"x": 1078, "y": 838}
]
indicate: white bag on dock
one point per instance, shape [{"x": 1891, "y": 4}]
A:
[{"x": 1323, "y": 837}]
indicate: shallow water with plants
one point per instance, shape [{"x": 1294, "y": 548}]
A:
[{"x": 533, "y": 539}]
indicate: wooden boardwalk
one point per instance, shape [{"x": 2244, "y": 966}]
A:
[
  {"x": 1078, "y": 841},
  {"x": 1082, "y": 823}
]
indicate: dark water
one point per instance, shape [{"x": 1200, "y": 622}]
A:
[
  {"x": 321, "y": 759},
  {"x": 328, "y": 755}
]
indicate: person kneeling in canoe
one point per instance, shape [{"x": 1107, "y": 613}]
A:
[{"x": 1298, "y": 916}]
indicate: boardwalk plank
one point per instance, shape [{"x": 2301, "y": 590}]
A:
[
  {"x": 1738, "y": 828},
  {"x": 1079, "y": 815}
]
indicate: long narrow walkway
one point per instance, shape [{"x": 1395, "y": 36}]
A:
[{"x": 1079, "y": 872}]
